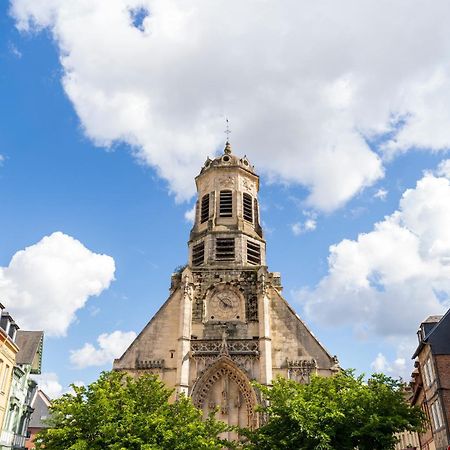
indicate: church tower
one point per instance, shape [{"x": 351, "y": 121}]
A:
[{"x": 225, "y": 322}]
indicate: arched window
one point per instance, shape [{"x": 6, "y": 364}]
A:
[
  {"x": 247, "y": 203},
  {"x": 204, "y": 210},
  {"x": 226, "y": 204}
]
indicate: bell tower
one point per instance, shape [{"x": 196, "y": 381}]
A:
[
  {"x": 225, "y": 322},
  {"x": 226, "y": 231}
]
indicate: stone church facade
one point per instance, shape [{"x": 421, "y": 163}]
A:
[{"x": 225, "y": 322}]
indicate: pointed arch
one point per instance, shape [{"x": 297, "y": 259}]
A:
[{"x": 225, "y": 367}]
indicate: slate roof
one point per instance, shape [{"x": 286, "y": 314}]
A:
[
  {"x": 437, "y": 329},
  {"x": 30, "y": 348}
]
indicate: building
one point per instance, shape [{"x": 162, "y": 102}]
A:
[
  {"x": 225, "y": 322},
  {"x": 40, "y": 405},
  {"x": 28, "y": 362},
  {"x": 8, "y": 352},
  {"x": 431, "y": 380},
  {"x": 407, "y": 440}
]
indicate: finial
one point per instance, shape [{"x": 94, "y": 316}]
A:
[{"x": 227, "y": 149}]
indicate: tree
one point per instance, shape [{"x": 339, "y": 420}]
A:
[
  {"x": 118, "y": 412},
  {"x": 340, "y": 412}
]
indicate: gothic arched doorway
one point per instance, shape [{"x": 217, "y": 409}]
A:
[{"x": 225, "y": 385}]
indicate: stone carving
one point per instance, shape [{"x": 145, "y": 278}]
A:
[
  {"x": 243, "y": 352},
  {"x": 301, "y": 370},
  {"x": 247, "y": 186},
  {"x": 201, "y": 347},
  {"x": 225, "y": 182},
  {"x": 150, "y": 364},
  {"x": 225, "y": 371}
]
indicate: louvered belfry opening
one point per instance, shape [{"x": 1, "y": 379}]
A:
[
  {"x": 204, "y": 210},
  {"x": 253, "y": 253},
  {"x": 198, "y": 254},
  {"x": 226, "y": 204},
  {"x": 225, "y": 249},
  {"x": 247, "y": 202}
]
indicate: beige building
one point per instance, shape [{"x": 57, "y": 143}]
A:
[
  {"x": 225, "y": 322},
  {"x": 8, "y": 352}
]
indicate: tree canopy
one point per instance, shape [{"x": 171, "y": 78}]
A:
[
  {"x": 118, "y": 412},
  {"x": 341, "y": 412}
]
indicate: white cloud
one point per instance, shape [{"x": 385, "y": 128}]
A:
[
  {"x": 381, "y": 194},
  {"x": 110, "y": 346},
  {"x": 49, "y": 383},
  {"x": 189, "y": 215},
  {"x": 387, "y": 281},
  {"x": 443, "y": 169},
  {"x": 2, "y": 160},
  {"x": 303, "y": 227},
  {"x": 46, "y": 283},
  {"x": 304, "y": 83},
  {"x": 396, "y": 368}
]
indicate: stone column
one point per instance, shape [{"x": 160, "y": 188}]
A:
[
  {"x": 265, "y": 338},
  {"x": 184, "y": 333}
]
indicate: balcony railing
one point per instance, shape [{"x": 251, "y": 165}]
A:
[{"x": 19, "y": 441}]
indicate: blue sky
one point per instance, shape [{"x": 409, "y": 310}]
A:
[{"x": 117, "y": 176}]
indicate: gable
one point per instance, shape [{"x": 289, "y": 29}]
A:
[
  {"x": 156, "y": 344},
  {"x": 291, "y": 338}
]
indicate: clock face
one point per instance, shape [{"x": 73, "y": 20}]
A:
[{"x": 224, "y": 305}]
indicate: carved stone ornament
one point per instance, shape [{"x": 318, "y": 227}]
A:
[
  {"x": 225, "y": 182},
  {"x": 247, "y": 185}
]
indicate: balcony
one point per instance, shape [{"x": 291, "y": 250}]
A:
[{"x": 14, "y": 441}]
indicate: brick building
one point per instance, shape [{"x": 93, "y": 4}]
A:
[{"x": 431, "y": 380}]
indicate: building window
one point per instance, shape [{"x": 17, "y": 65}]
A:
[
  {"x": 198, "y": 254},
  {"x": 4, "y": 378},
  {"x": 253, "y": 253},
  {"x": 247, "y": 202},
  {"x": 436, "y": 413},
  {"x": 225, "y": 249},
  {"x": 226, "y": 204},
  {"x": 204, "y": 212},
  {"x": 428, "y": 372}
]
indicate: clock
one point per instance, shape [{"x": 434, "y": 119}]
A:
[{"x": 225, "y": 304}]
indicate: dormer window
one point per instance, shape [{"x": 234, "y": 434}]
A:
[
  {"x": 226, "y": 204},
  {"x": 204, "y": 210},
  {"x": 247, "y": 203}
]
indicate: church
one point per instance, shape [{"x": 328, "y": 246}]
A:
[{"x": 226, "y": 322}]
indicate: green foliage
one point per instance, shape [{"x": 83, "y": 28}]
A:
[
  {"x": 118, "y": 412},
  {"x": 340, "y": 412}
]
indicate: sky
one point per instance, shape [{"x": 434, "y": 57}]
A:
[{"x": 108, "y": 109}]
